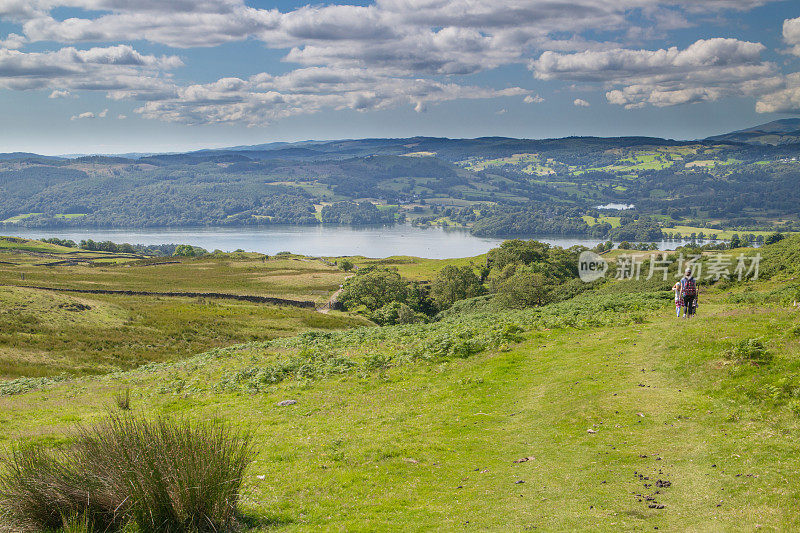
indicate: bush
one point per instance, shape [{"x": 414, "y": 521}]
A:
[
  {"x": 453, "y": 284},
  {"x": 525, "y": 289},
  {"x": 123, "y": 399},
  {"x": 161, "y": 475},
  {"x": 749, "y": 351}
]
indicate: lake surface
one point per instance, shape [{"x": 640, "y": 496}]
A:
[{"x": 383, "y": 241}]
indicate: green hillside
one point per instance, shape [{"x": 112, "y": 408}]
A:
[
  {"x": 600, "y": 412},
  {"x": 494, "y": 186}
]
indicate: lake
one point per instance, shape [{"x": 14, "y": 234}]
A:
[{"x": 382, "y": 241}]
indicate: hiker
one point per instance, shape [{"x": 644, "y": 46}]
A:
[
  {"x": 678, "y": 298},
  {"x": 689, "y": 293}
]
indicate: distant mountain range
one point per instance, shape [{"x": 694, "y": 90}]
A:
[{"x": 778, "y": 132}]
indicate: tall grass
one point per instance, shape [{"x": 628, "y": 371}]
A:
[
  {"x": 123, "y": 399},
  {"x": 161, "y": 475}
]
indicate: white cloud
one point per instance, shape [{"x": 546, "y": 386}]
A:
[
  {"x": 85, "y": 115},
  {"x": 114, "y": 68},
  {"x": 580, "y": 102},
  {"x": 14, "y": 41},
  {"x": 60, "y": 94},
  {"x": 122, "y": 117},
  {"x": 388, "y": 53},
  {"x": 103, "y": 113},
  {"x": 708, "y": 69},
  {"x": 501, "y": 111},
  {"x": 785, "y": 100},
  {"x": 262, "y": 99},
  {"x": 791, "y": 35}
]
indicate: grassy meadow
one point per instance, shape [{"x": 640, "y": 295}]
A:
[
  {"x": 47, "y": 333},
  {"x": 603, "y": 413}
]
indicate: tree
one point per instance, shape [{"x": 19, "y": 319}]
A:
[
  {"x": 373, "y": 289},
  {"x": 453, "y": 284},
  {"x": 772, "y": 238},
  {"x": 346, "y": 265},
  {"x": 518, "y": 251},
  {"x": 525, "y": 289}
]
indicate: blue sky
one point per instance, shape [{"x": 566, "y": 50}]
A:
[{"x": 113, "y": 76}]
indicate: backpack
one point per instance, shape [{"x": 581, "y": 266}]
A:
[{"x": 690, "y": 287}]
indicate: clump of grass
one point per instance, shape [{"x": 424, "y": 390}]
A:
[
  {"x": 750, "y": 351},
  {"x": 123, "y": 399},
  {"x": 160, "y": 475},
  {"x": 78, "y": 523}
]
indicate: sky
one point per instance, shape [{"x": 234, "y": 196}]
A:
[{"x": 117, "y": 76}]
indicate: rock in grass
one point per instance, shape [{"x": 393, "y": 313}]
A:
[
  {"x": 590, "y": 430},
  {"x": 284, "y": 403}
]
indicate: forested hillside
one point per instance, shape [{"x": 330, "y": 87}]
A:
[{"x": 495, "y": 186}]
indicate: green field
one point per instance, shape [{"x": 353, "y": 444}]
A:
[
  {"x": 46, "y": 333},
  {"x": 614, "y": 221},
  {"x": 603, "y": 412},
  {"x": 685, "y": 231}
]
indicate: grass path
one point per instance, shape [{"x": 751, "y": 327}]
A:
[{"x": 432, "y": 446}]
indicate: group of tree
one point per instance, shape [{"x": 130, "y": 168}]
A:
[
  {"x": 517, "y": 274},
  {"x": 177, "y": 250}
]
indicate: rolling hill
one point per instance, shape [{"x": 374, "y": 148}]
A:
[{"x": 778, "y": 132}]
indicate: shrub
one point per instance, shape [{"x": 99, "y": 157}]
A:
[
  {"x": 453, "y": 283},
  {"x": 749, "y": 351},
  {"x": 123, "y": 400},
  {"x": 162, "y": 475}
]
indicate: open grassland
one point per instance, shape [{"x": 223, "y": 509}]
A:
[
  {"x": 414, "y": 268},
  {"x": 47, "y": 333},
  {"x": 614, "y": 221},
  {"x": 283, "y": 276},
  {"x": 603, "y": 412},
  {"x": 686, "y": 231},
  {"x": 482, "y": 422},
  {"x": 43, "y": 333}
]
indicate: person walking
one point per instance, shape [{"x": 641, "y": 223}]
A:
[
  {"x": 689, "y": 293},
  {"x": 678, "y": 298}
]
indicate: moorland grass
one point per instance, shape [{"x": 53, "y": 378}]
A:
[
  {"x": 43, "y": 334},
  {"x": 161, "y": 475},
  {"x": 432, "y": 444}
]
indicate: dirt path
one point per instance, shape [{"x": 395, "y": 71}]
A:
[{"x": 331, "y": 303}]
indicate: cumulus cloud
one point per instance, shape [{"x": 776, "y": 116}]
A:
[
  {"x": 263, "y": 98},
  {"x": 387, "y": 53},
  {"x": 60, "y": 94},
  {"x": 791, "y": 35},
  {"x": 580, "y": 102},
  {"x": 13, "y": 41},
  {"x": 706, "y": 70},
  {"x": 113, "y": 68},
  {"x": 785, "y": 100},
  {"x": 85, "y": 115}
]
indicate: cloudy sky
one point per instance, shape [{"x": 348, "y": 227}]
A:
[{"x": 106, "y": 76}]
